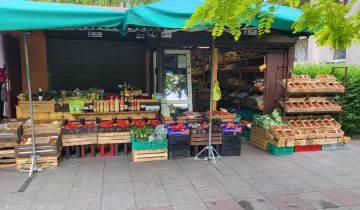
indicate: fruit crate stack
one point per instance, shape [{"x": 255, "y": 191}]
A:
[
  {"x": 306, "y": 97},
  {"x": 282, "y": 140},
  {"x": 149, "y": 144},
  {"x": 112, "y": 133},
  {"x": 178, "y": 140},
  {"x": 48, "y": 148},
  {"x": 316, "y": 130},
  {"x": 231, "y": 139},
  {"x": 200, "y": 135},
  {"x": 79, "y": 134},
  {"x": 47, "y": 144},
  {"x": 10, "y": 134},
  {"x": 260, "y": 137}
]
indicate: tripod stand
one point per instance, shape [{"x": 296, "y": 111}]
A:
[{"x": 212, "y": 153}]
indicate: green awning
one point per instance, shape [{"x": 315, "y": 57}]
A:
[
  {"x": 27, "y": 15},
  {"x": 174, "y": 14}
]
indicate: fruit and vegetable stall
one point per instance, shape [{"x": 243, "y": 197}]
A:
[{"x": 88, "y": 123}]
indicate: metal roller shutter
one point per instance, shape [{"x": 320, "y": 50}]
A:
[{"x": 88, "y": 63}]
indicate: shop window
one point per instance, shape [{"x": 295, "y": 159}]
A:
[
  {"x": 301, "y": 50},
  {"x": 339, "y": 55}
]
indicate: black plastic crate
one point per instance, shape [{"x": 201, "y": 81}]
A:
[
  {"x": 179, "y": 146},
  {"x": 81, "y": 129},
  {"x": 179, "y": 154},
  {"x": 231, "y": 145}
]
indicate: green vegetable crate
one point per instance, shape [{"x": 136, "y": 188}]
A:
[
  {"x": 280, "y": 150},
  {"x": 148, "y": 145}
]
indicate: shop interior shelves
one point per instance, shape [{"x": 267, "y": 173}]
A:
[
  {"x": 315, "y": 91},
  {"x": 309, "y": 111},
  {"x": 249, "y": 69}
]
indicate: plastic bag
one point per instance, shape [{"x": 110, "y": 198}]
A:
[{"x": 216, "y": 91}]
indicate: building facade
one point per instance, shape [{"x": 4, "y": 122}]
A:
[{"x": 307, "y": 51}]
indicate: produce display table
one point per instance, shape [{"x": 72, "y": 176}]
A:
[
  {"x": 52, "y": 110},
  {"x": 118, "y": 115}
]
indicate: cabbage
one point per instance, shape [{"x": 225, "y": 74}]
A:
[{"x": 266, "y": 121}]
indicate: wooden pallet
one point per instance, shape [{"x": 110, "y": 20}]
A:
[
  {"x": 10, "y": 131},
  {"x": 7, "y": 154},
  {"x": 53, "y": 160},
  {"x": 114, "y": 138},
  {"x": 260, "y": 137},
  {"x": 7, "y": 144},
  {"x": 42, "y": 127},
  {"x": 7, "y": 162},
  {"x": 149, "y": 155},
  {"x": 200, "y": 139},
  {"x": 79, "y": 139},
  {"x": 45, "y": 146}
]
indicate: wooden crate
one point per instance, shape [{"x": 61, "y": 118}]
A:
[
  {"x": 79, "y": 139},
  {"x": 114, "y": 138},
  {"x": 198, "y": 139},
  {"x": 20, "y": 114},
  {"x": 7, "y": 154},
  {"x": 45, "y": 146},
  {"x": 260, "y": 137},
  {"x": 345, "y": 139},
  {"x": 53, "y": 160},
  {"x": 42, "y": 127},
  {"x": 149, "y": 155},
  {"x": 7, "y": 162},
  {"x": 38, "y": 106},
  {"x": 225, "y": 118},
  {"x": 10, "y": 131},
  {"x": 280, "y": 143},
  {"x": 7, "y": 144}
]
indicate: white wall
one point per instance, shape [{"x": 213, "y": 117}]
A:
[{"x": 317, "y": 54}]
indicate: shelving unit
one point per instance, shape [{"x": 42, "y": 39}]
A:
[
  {"x": 237, "y": 71},
  {"x": 315, "y": 92}
]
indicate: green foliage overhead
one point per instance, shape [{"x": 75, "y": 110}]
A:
[
  {"x": 351, "y": 109},
  {"x": 110, "y": 3},
  {"x": 328, "y": 19}
]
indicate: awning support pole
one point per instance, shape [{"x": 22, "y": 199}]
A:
[
  {"x": 34, "y": 157},
  {"x": 212, "y": 153}
]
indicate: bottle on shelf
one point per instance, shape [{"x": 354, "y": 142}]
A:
[
  {"x": 101, "y": 106},
  {"x": 121, "y": 104},
  {"x": 126, "y": 105},
  {"x": 138, "y": 105},
  {"x": 91, "y": 106},
  {"x": 116, "y": 108},
  {"x": 95, "y": 106},
  {"x": 40, "y": 95},
  {"x": 131, "y": 104},
  {"x": 112, "y": 104},
  {"x": 107, "y": 106}
]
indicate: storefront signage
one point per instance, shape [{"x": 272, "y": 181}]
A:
[
  {"x": 166, "y": 34},
  {"x": 94, "y": 34},
  {"x": 250, "y": 32}
]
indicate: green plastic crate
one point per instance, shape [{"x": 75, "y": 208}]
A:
[
  {"x": 148, "y": 145},
  {"x": 280, "y": 150}
]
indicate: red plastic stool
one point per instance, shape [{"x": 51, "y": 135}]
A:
[
  {"x": 111, "y": 153},
  {"x": 83, "y": 151}
]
